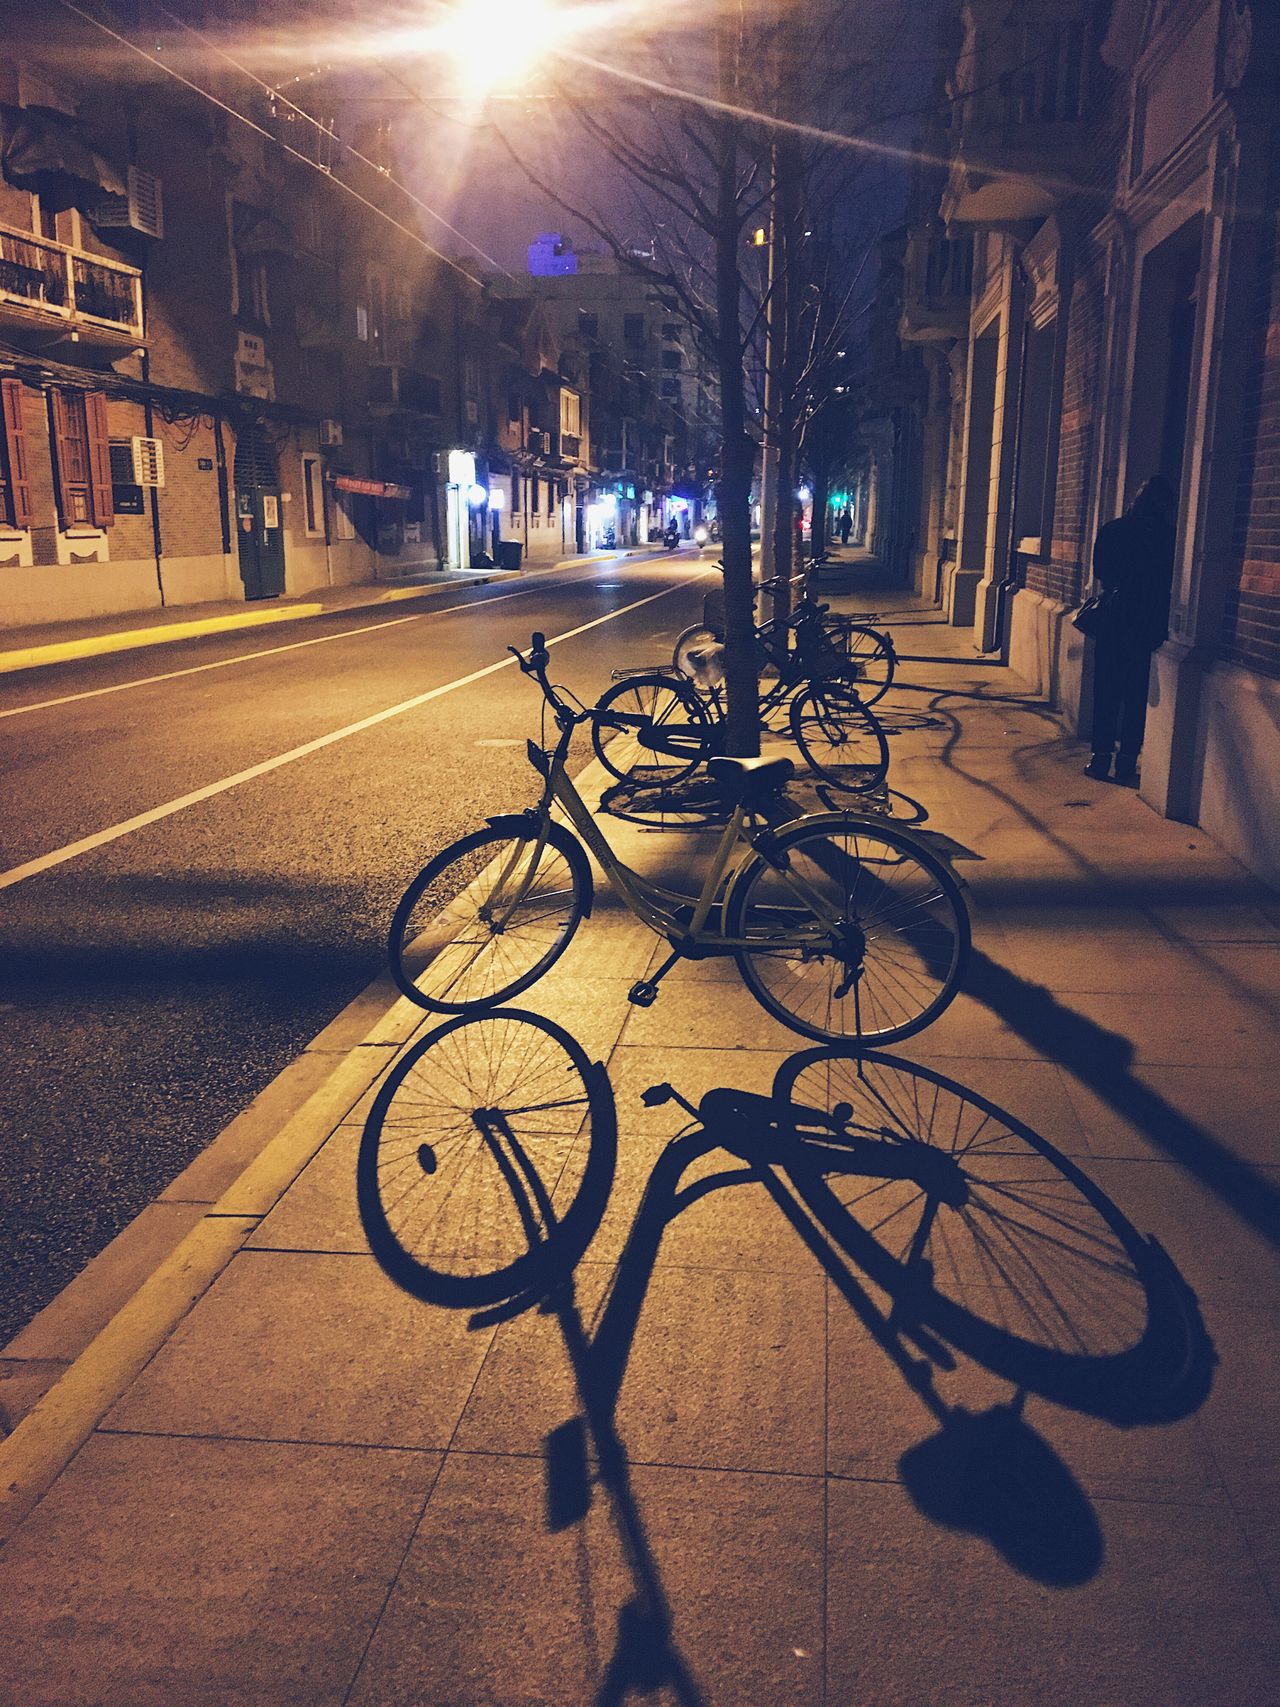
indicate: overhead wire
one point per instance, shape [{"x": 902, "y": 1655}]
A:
[
  {"x": 276, "y": 92},
  {"x": 252, "y": 124}
]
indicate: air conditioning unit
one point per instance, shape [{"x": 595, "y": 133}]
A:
[
  {"x": 330, "y": 433},
  {"x": 141, "y": 208},
  {"x": 148, "y": 462}
]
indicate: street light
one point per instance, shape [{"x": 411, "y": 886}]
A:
[{"x": 496, "y": 44}]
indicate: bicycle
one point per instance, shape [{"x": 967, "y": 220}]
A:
[
  {"x": 870, "y": 659},
  {"x": 844, "y": 928},
  {"x": 840, "y": 739}
]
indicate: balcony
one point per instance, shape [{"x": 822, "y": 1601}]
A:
[
  {"x": 44, "y": 285},
  {"x": 1021, "y": 122},
  {"x": 937, "y": 282}
]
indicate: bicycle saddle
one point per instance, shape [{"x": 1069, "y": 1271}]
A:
[{"x": 744, "y": 781}]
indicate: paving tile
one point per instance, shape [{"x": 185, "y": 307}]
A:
[
  {"x": 1241, "y": 1415},
  {"x": 1136, "y": 964},
  {"x": 634, "y": 1068},
  {"x": 319, "y": 1212},
  {"x": 493, "y": 1607},
  {"x": 159, "y": 1571},
  {"x": 1182, "y": 1030},
  {"x": 694, "y": 1015},
  {"x": 1222, "y": 1256},
  {"x": 338, "y": 1354},
  {"x": 918, "y": 1613},
  {"x": 1174, "y": 1113},
  {"x": 724, "y": 1370}
]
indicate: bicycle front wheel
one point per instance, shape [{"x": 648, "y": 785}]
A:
[
  {"x": 870, "y": 660},
  {"x": 841, "y": 740},
  {"x": 858, "y": 934},
  {"x": 486, "y": 1160},
  {"x": 487, "y": 917},
  {"x": 663, "y": 715}
]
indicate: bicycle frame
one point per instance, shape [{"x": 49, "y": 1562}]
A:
[{"x": 663, "y": 910}]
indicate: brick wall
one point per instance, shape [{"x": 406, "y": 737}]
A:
[
  {"x": 1061, "y": 575},
  {"x": 1251, "y": 625}
]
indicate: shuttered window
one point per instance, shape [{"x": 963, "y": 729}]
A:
[
  {"x": 82, "y": 457},
  {"x": 15, "y": 467}
]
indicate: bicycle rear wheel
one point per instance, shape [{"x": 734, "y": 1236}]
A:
[
  {"x": 663, "y": 714},
  {"x": 858, "y": 933},
  {"x": 487, "y": 917},
  {"x": 486, "y": 1160},
  {"x": 870, "y": 660},
  {"x": 841, "y": 740}
]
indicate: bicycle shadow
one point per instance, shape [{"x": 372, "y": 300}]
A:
[{"x": 884, "y": 1168}]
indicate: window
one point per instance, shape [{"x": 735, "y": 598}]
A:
[
  {"x": 251, "y": 300},
  {"x": 15, "y": 476},
  {"x": 671, "y": 388},
  {"x": 671, "y": 330},
  {"x": 471, "y": 376},
  {"x": 362, "y": 323},
  {"x": 312, "y": 496},
  {"x": 377, "y": 311},
  {"x": 126, "y": 494},
  {"x": 588, "y": 324},
  {"x": 633, "y": 329},
  {"x": 82, "y": 457},
  {"x": 343, "y": 526},
  {"x": 671, "y": 359},
  {"x": 571, "y": 413}
]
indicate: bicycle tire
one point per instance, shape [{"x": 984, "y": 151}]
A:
[
  {"x": 652, "y": 703},
  {"x": 448, "y": 957},
  {"x": 870, "y": 658},
  {"x": 1081, "y": 1308},
  {"x": 842, "y": 742},
  {"x": 903, "y": 919},
  {"x": 486, "y": 1160},
  {"x": 704, "y": 672}
]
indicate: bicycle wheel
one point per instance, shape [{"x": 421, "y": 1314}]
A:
[
  {"x": 858, "y": 933},
  {"x": 486, "y": 1160},
  {"x": 870, "y": 660},
  {"x": 487, "y": 917},
  {"x": 841, "y": 740},
  {"x": 663, "y": 714},
  {"x": 981, "y": 1230},
  {"x": 699, "y": 655}
]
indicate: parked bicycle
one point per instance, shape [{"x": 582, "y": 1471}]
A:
[
  {"x": 840, "y": 739},
  {"x": 870, "y": 659},
  {"x": 845, "y": 928}
]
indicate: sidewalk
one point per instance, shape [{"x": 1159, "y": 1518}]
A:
[
  {"x": 757, "y": 1452},
  {"x": 42, "y": 644}
]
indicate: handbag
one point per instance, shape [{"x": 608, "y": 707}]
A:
[{"x": 1095, "y": 614}]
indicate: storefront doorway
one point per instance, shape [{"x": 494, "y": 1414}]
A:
[{"x": 259, "y": 534}]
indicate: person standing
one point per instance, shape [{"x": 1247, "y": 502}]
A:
[
  {"x": 845, "y": 524},
  {"x": 1133, "y": 564}
]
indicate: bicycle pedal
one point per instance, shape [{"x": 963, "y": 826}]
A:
[{"x": 643, "y": 994}]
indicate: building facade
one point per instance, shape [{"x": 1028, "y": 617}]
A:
[{"x": 1114, "y": 178}]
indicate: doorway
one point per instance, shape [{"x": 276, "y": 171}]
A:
[
  {"x": 259, "y": 535},
  {"x": 1164, "y": 346}
]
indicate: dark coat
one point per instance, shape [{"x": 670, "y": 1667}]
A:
[{"x": 1133, "y": 562}]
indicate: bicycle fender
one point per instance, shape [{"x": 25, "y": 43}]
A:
[{"x": 517, "y": 823}]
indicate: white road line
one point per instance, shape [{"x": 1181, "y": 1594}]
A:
[
  {"x": 266, "y": 652},
  {"x": 100, "y": 838}
]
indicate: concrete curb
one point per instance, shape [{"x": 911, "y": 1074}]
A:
[{"x": 50, "y": 1434}]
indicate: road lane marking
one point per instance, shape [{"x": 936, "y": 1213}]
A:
[
  {"x": 265, "y": 652},
  {"x": 86, "y": 844}
]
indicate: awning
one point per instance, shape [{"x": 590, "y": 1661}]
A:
[
  {"x": 371, "y": 488},
  {"x": 31, "y": 143}
]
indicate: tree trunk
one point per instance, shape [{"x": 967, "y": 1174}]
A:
[
  {"x": 784, "y": 307},
  {"x": 737, "y": 460},
  {"x": 821, "y": 512}
]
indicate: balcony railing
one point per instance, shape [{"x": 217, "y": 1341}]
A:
[{"x": 85, "y": 292}]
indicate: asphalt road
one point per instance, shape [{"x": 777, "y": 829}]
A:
[{"x": 152, "y": 984}]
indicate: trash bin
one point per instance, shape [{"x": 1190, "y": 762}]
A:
[{"x": 508, "y": 553}]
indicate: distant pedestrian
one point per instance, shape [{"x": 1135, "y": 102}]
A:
[
  {"x": 845, "y": 525},
  {"x": 1133, "y": 564}
]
